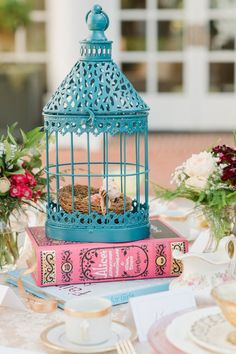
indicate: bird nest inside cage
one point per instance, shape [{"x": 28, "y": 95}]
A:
[{"x": 97, "y": 200}]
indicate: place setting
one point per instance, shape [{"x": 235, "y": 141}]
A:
[
  {"x": 200, "y": 331},
  {"x": 88, "y": 328}
]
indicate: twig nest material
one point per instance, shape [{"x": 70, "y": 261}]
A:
[{"x": 97, "y": 200}]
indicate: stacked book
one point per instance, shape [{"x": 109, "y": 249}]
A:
[{"x": 60, "y": 264}]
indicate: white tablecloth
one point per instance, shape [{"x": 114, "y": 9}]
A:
[{"x": 21, "y": 329}]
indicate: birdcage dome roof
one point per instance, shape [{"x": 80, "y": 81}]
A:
[
  {"x": 98, "y": 86},
  {"x": 95, "y": 82}
]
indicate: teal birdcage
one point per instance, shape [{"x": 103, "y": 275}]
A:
[{"x": 97, "y": 100}]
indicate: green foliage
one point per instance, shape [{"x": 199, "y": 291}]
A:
[
  {"x": 7, "y": 206},
  {"x": 179, "y": 192},
  {"x": 214, "y": 205},
  {"x": 14, "y": 14},
  {"x": 15, "y": 159},
  {"x": 28, "y": 148}
]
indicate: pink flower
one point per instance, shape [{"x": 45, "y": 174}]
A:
[
  {"x": 26, "y": 192},
  {"x": 18, "y": 179},
  {"x": 15, "y": 191},
  {"x": 30, "y": 179},
  {"x": 95, "y": 199}
]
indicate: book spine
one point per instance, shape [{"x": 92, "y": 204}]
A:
[{"x": 87, "y": 263}]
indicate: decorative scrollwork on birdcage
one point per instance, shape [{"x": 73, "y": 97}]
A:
[
  {"x": 113, "y": 125},
  {"x": 101, "y": 87}
]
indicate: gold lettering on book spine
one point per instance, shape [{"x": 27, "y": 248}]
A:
[
  {"x": 177, "y": 265},
  {"x": 48, "y": 267}
]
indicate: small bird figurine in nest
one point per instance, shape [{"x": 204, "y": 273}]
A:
[
  {"x": 108, "y": 198},
  {"x": 113, "y": 192}
]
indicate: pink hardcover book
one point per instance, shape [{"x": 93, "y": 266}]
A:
[{"x": 60, "y": 262}]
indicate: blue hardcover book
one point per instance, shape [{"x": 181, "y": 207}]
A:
[{"x": 117, "y": 292}]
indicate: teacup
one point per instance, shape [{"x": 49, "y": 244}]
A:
[
  {"x": 88, "y": 320},
  {"x": 225, "y": 297}
]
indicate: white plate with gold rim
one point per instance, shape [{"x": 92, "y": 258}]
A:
[
  {"x": 54, "y": 337},
  {"x": 211, "y": 332},
  {"x": 177, "y": 332}
]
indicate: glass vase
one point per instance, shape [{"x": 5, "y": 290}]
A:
[
  {"x": 221, "y": 223},
  {"x": 9, "y": 252}
]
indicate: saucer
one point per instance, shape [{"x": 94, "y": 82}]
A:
[{"x": 54, "y": 337}]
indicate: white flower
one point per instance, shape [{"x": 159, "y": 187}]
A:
[
  {"x": 2, "y": 149},
  {"x": 4, "y": 185},
  {"x": 178, "y": 176},
  {"x": 201, "y": 165},
  {"x": 13, "y": 150},
  {"x": 196, "y": 183}
]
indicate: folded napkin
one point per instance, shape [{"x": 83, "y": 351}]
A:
[{"x": 9, "y": 299}]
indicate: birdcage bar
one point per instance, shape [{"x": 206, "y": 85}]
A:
[
  {"x": 47, "y": 167},
  {"x": 89, "y": 174},
  {"x": 57, "y": 172},
  {"x": 106, "y": 169},
  {"x": 72, "y": 170},
  {"x": 137, "y": 150},
  {"x": 79, "y": 164},
  {"x": 146, "y": 166},
  {"x": 125, "y": 172},
  {"x": 121, "y": 164},
  {"x": 104, "y": 155}
]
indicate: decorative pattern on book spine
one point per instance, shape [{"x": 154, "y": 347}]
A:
[
  {"x": 66, "y": 266},
  {"x": 161, "y": 259},
  {"x": 48, "y": 267},
  {"x": 177, "y": 265}
]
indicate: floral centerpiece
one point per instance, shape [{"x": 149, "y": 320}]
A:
[
  {"x": 21, "y": 183},
  {"x": 209, "y": 180}
]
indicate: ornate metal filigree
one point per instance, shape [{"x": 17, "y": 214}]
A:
[
  {"x": 99, "y": 86},
  {"x": 111, "y": 125},
  {"x": 95, "y": 220}
]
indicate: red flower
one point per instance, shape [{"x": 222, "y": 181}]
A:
[
  {"x": 223, "y": 149},
  {"x": 37, "y": 195},
  {"x": 227, "y": 157},
  {"x": 18, "y": 179},
  {"x": 30, "y": 179},
  {"x": 229, "y": 172},
  {"x": 15, "y": 191},
  {"x": 27, "y": 192},
  {"x": 230, "y": 158}
]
